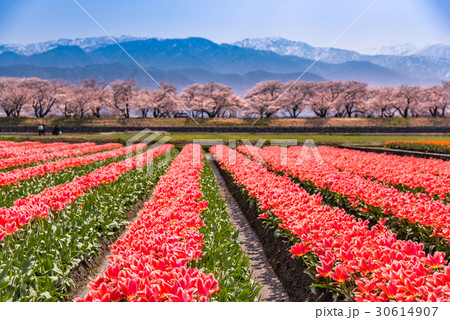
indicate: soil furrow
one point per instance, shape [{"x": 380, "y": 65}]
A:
[{"x": 262, "y": 271}]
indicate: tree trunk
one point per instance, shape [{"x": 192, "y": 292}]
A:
[
  {"x": 96, "y": 112},
  {"x": 349, "y": 109},
  {"x": 403, "y": 112},
  {"x": 294, "y": 113},
  {"x": 321, "y": 113},
  {"x": 434, "y": 112}
]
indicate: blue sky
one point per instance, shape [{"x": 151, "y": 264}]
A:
[{"x": 318, "y": 22}]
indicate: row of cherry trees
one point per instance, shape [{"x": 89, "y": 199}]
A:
[{"x": 123, "y": 98}]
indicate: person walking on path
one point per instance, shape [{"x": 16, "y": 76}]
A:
[{"x": 56, "y": 130}]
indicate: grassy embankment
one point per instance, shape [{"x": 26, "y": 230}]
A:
[
  {"x": 222, "y": 122},
  {"x": 183, "y": 138}
]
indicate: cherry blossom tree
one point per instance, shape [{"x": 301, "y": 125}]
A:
[
  {"x": 406, "y": 100},
  {"x": 379, "y": 102},
  {"x": 81, "y": 98},
  {"x": 165, "y": 101},
  {"x": 195, "y": 101},
  {"x": 141, "y": 102},
  {"x": 122, "y": 95},
  {"x": 351, "y": 99},
  {"x": 210, "y": 99},
  {"x": 446, "y": 95},
  {"x": 100, "y": 96},
  {"x": 223, "y": 100},
  {"x": 325, "y": 97},
  {"x": 65, "y": 102},
  {"x": 263, "y": 99},
  {"x": 296, "y": 97},
  {"x": 73, "y": 100},
  {"x": 435, "y": 100},
  {"x": 13, "y": 96},
  {"x": 162, "y": 102},
  {"x": 43, "y": 95}
]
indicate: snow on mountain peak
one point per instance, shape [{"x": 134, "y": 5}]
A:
[
  {"x": 87, "y": 44},
  {"x": 404, "y": 49}
]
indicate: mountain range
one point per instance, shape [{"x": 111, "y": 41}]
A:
[
  {"x": 240, "y": 65},
  {"x": 426, "y": 63}
]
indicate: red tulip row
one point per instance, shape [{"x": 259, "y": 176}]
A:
[
  {"x": 418, "y": 208},
  {"x": 150, "y": 262},
  {"x": 386, "y": 168},
  {"x": 421, "y": 165},
  {"x": 362, "y": 263},
  {"x": 14, "y": 151},
  {"x": 4, "y": 144},
  {"x": 56, "y": 198},
  {"x": 81, "y": 148},
  {"x": 11, "y": 177}
]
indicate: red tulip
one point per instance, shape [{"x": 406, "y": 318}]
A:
[
  {"x": 128, "y": 287},
  {"x": 340, "y": 274},
  {"x": 299, "y": 249},
  {"x": 10, "y": 228},
  {"x": 324, "y": 270}
]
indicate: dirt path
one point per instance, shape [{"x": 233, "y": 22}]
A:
[{"x": 262, "y": 271}]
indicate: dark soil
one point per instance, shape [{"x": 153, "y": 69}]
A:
[
  {"x": 289, "y": 271},
  {"x": 92, "y": 267}
]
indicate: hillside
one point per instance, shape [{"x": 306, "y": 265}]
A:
[{"x": 184, "y": 61}]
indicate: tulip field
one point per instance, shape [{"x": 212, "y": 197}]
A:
[
  {"x": 355, "y": 252},
  {"x": 107, "y": 222},
  {"x": 61, "y": 203}
]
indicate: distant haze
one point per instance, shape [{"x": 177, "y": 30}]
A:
[{"x": 197, "y": 60}]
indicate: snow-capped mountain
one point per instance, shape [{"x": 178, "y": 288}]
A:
[
  {"x": 435, "y": 51},
  {"x": 87, "y": 44},
  {"x": 300, "y": 49},
  {"x": 409, "y": 49},
  {"x": 430, "y": 62},
  {"x": 404, "y": 49}
]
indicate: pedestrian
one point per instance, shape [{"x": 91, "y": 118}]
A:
[
  {"x": 56, "y": 130},
  {"x": 40, "y": 129}
]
